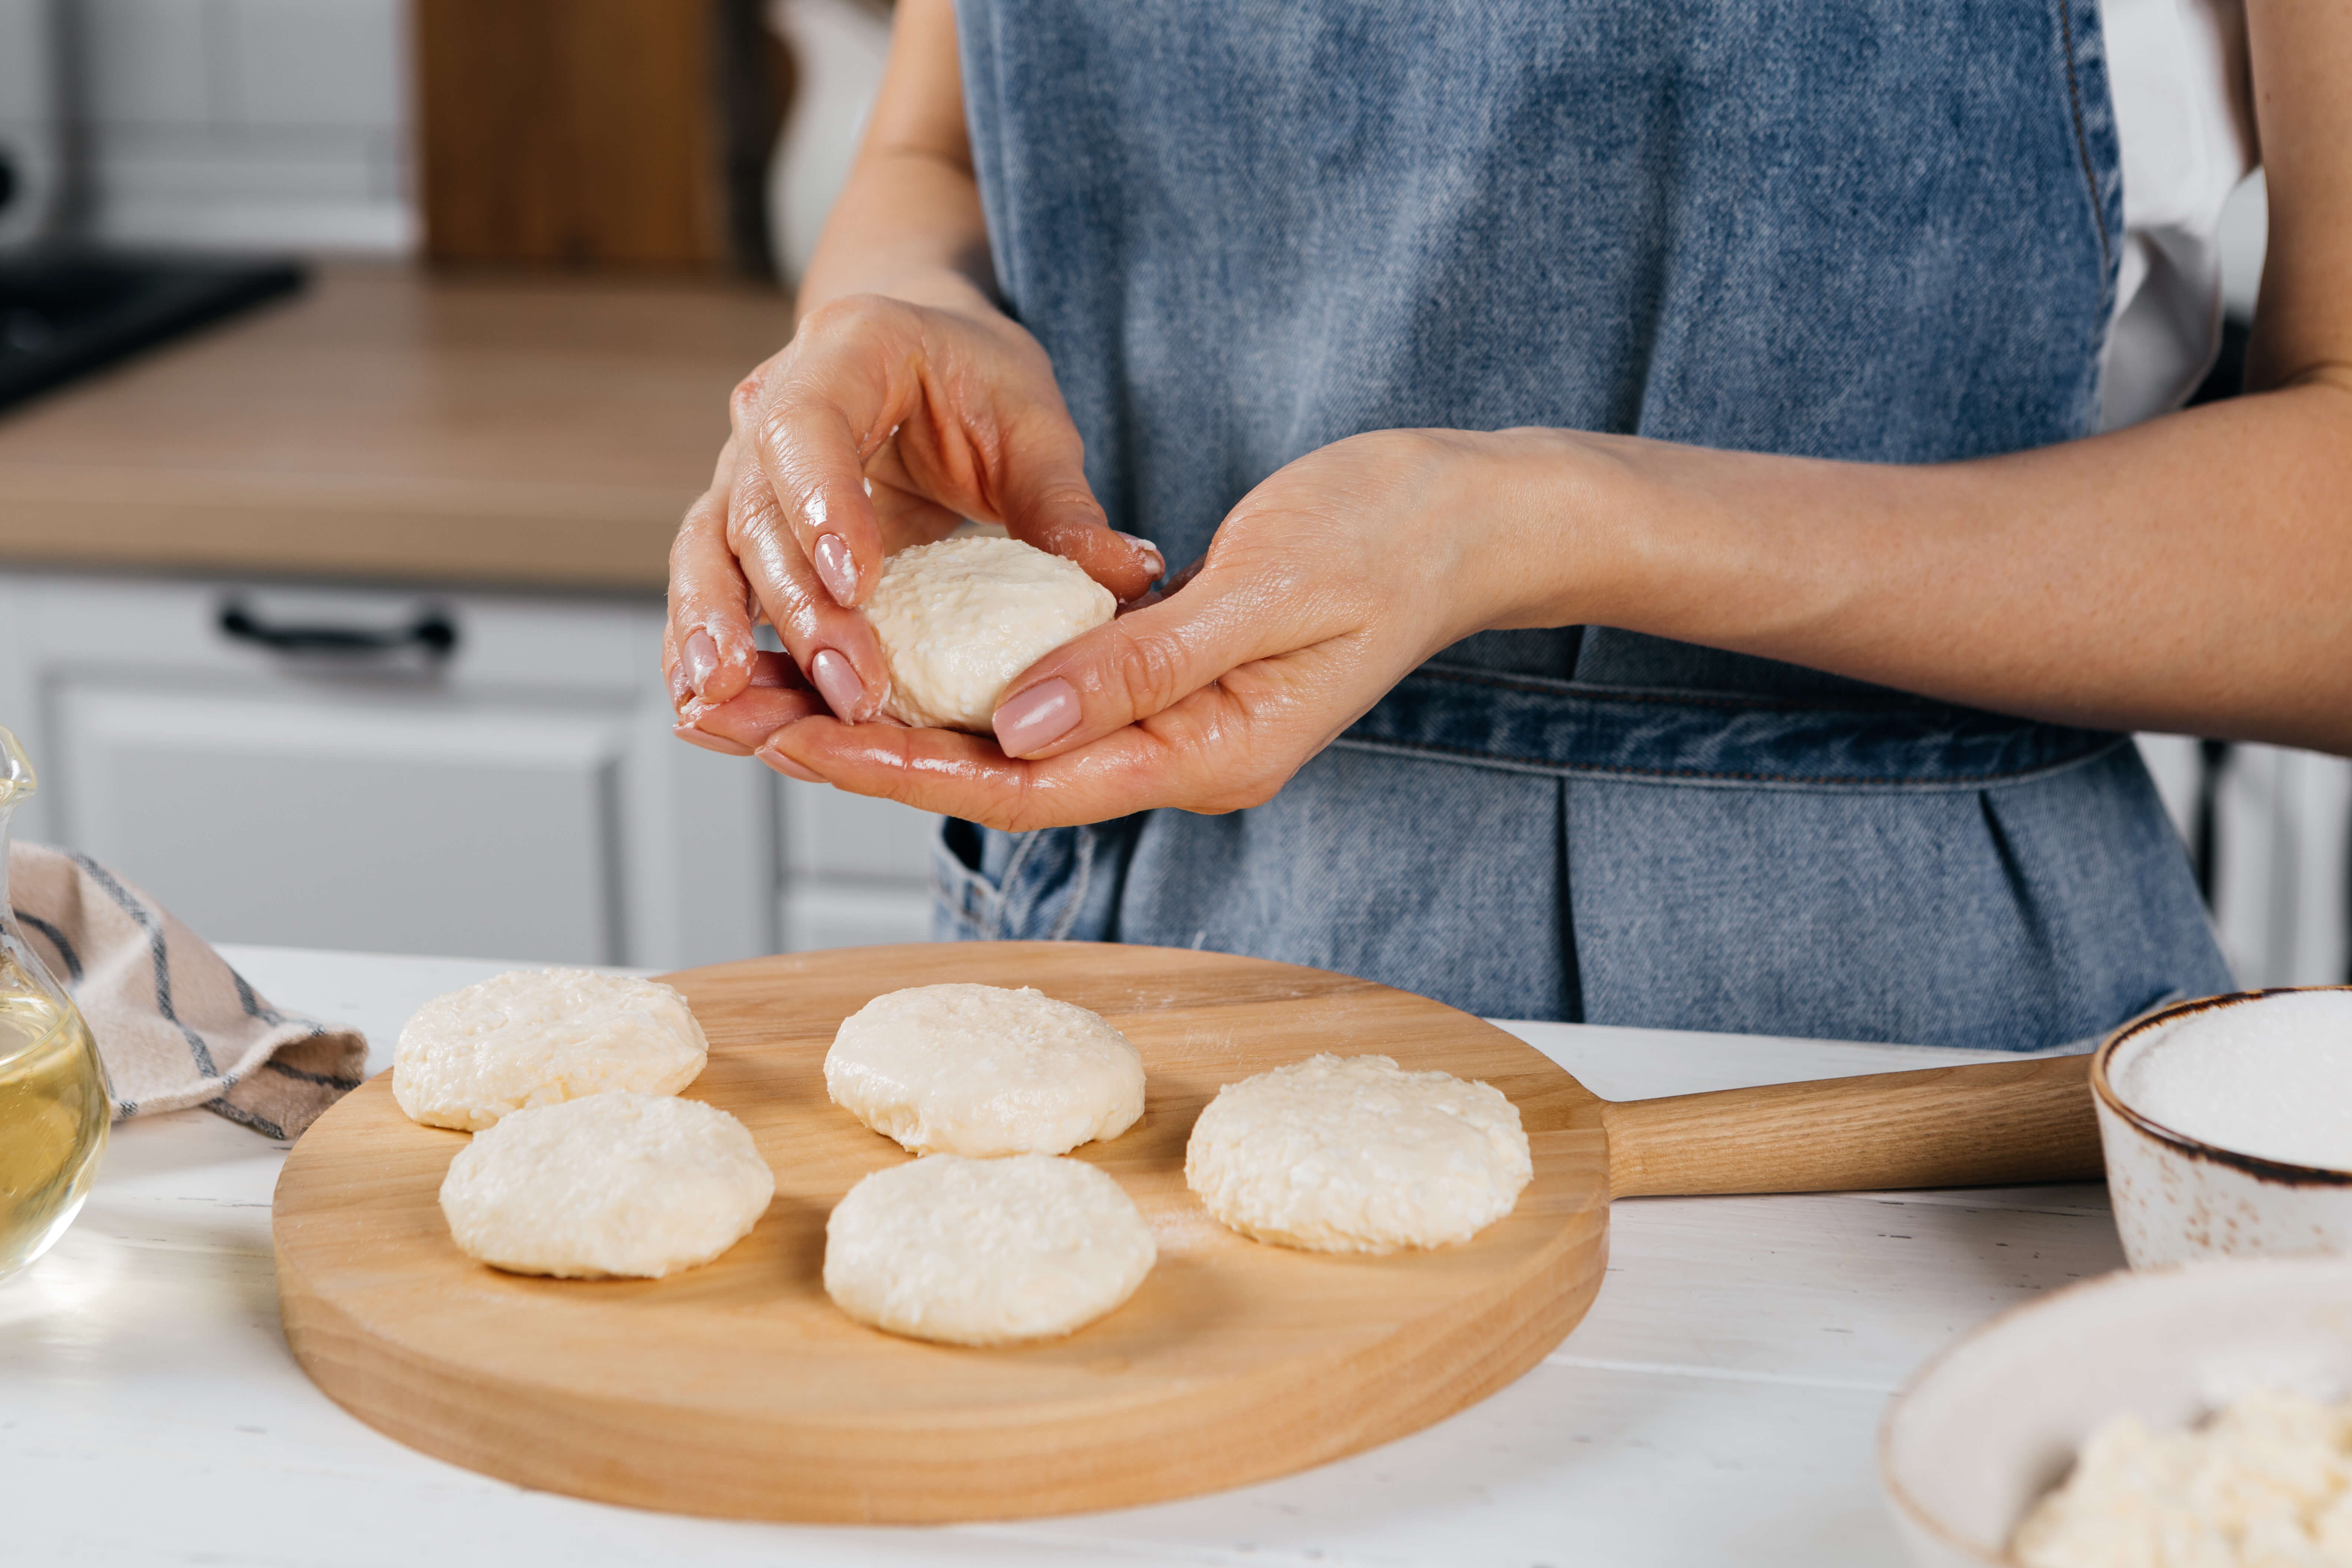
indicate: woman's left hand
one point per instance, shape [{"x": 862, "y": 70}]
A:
[
  {"x": 1323, "y": 588},
  {"x": 776, "y": 695}
]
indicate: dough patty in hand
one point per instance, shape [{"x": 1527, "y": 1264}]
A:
[
  {"x": 1354, "y": 1154},
  {"x": 538, "y": 1037},
  {"x": 983, "y": 1071},
  {"x": 614, "y": 1184},
  {"x": 985, "y": 1252},
  {"x": 959, "y": 619}
]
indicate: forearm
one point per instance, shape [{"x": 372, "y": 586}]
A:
[
  {"x": 2194, "y": 573},
  {"x": 908, "y": 223},
  {"x": 907, "y": 226}
]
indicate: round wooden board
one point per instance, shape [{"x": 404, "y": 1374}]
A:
[{"x": 738, "y": 1389}]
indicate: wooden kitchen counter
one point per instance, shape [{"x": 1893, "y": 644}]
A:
[{"x": 392, "y": 424}]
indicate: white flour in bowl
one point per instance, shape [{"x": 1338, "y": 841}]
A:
[{"x": 2272, "y": 1079}]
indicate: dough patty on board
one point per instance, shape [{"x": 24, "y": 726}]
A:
[
  {"x": 959, "y": 619},
  {"x": 984, "y": 1070},
  {"x": 621, "y": 1184},
  {"x": 985, "y": 1252},
  {"x": 1354, "y": 1154},
  {"x": 538, "y": 1036}
]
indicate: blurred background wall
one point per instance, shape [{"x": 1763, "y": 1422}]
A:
[
  {"x": 237, "y": 123},
  {"x": 249, "y": 124}
]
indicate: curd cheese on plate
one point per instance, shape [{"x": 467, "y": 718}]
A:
[{"x": 2265, "y": 1483}]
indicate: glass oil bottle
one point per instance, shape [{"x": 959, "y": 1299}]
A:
[{"x": 54, "y": 1102}]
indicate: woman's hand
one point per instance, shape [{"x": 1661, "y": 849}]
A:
[
  {"x": 777, "y": 694},
  {"x": 883, "y": 424},
  {"x": 1323, "y": 588},
  {"x": 904, "y": 400}
]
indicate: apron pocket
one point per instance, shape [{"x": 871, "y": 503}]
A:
[
  {"x": 1055, "y": 884},
  {"x": 964, "y": 902}
]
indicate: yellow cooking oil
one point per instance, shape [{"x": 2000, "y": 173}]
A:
[{"x": 54, "y": 1112}]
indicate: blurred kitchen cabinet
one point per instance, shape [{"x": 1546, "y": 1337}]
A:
[
  {"x": 2282, "y": 855},
  {"x": 631, "y": 133},
  {"x": 2277, "y": 826},
  {"x": 499, "y": 779},
  {"x": 517, "y": 794},
  {"x": 856, "y": 871},
  {"x": 313, "y": 818}
]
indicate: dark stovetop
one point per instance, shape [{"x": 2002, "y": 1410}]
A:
[{"x": 66, "y": 312}]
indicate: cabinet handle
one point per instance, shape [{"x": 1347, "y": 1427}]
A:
[{"x": 433, "y": 631}]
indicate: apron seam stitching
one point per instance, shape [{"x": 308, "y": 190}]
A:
[
  {"x": 1075, "y": 901},
  {"x": 1824, "y": 779},
  {"x": 1007, "y": 883},
  {"x": 1568, "y": 691},
  {"x": 2081, "y": 136}
]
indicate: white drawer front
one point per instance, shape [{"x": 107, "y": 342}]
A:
[
  {"x": 521, "y": 796},
  {"x": 364, "y": 823}
]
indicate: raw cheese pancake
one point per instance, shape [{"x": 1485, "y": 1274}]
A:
[
  {"x": 985, "y": 1252},
  {"x": 540, "y": 1036},
  {"x": 613, "y": 1184},
  {"x": 1353, "y": 1154},
  {"x": 982, "y": 1071}
]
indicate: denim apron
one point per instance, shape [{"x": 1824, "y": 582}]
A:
[{"x": 1881, "y": 230}]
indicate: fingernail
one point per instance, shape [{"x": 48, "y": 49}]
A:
[
  {"x": 694, "y": 737},
  {"x": 1149, "y": 550},
  {"x": 701, "y": 656},
  {"x": 1038, "y": 717},
  {"x": 837, "y": 683},
  {"x": 789, "y": 768},
  {"x": 838, "y": 570},
  {"x": 681, "y": 690}
]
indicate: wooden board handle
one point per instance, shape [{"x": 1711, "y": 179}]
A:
[{"x": 1945, "y": 1127}]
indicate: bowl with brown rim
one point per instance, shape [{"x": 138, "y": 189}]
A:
[{"x": 2178, "y": 1197}]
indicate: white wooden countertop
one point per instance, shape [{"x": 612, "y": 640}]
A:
[{"x": 1717, "y": 1408}]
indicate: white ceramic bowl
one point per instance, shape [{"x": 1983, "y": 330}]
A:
[
  {"x": 1994, "y": 1423},
  {"x": 2178, "y": 1198}
]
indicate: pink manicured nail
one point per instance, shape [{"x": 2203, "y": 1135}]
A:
[
  {"x": 837, "y": 683},
  {"x": 839, "y": 570},
  {"x": 702, "y": 655},
  {"x": 694, "y": 737},
  {"x": 789, "y": 768},
  {"x": 1037, "y": 718},
  {"x": 1149, "y": 551}
]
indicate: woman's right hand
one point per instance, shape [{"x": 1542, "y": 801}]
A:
[{"x": 882, "y": 424}]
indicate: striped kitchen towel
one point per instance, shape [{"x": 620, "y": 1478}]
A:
[{"x": 176, "y": 1026}]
